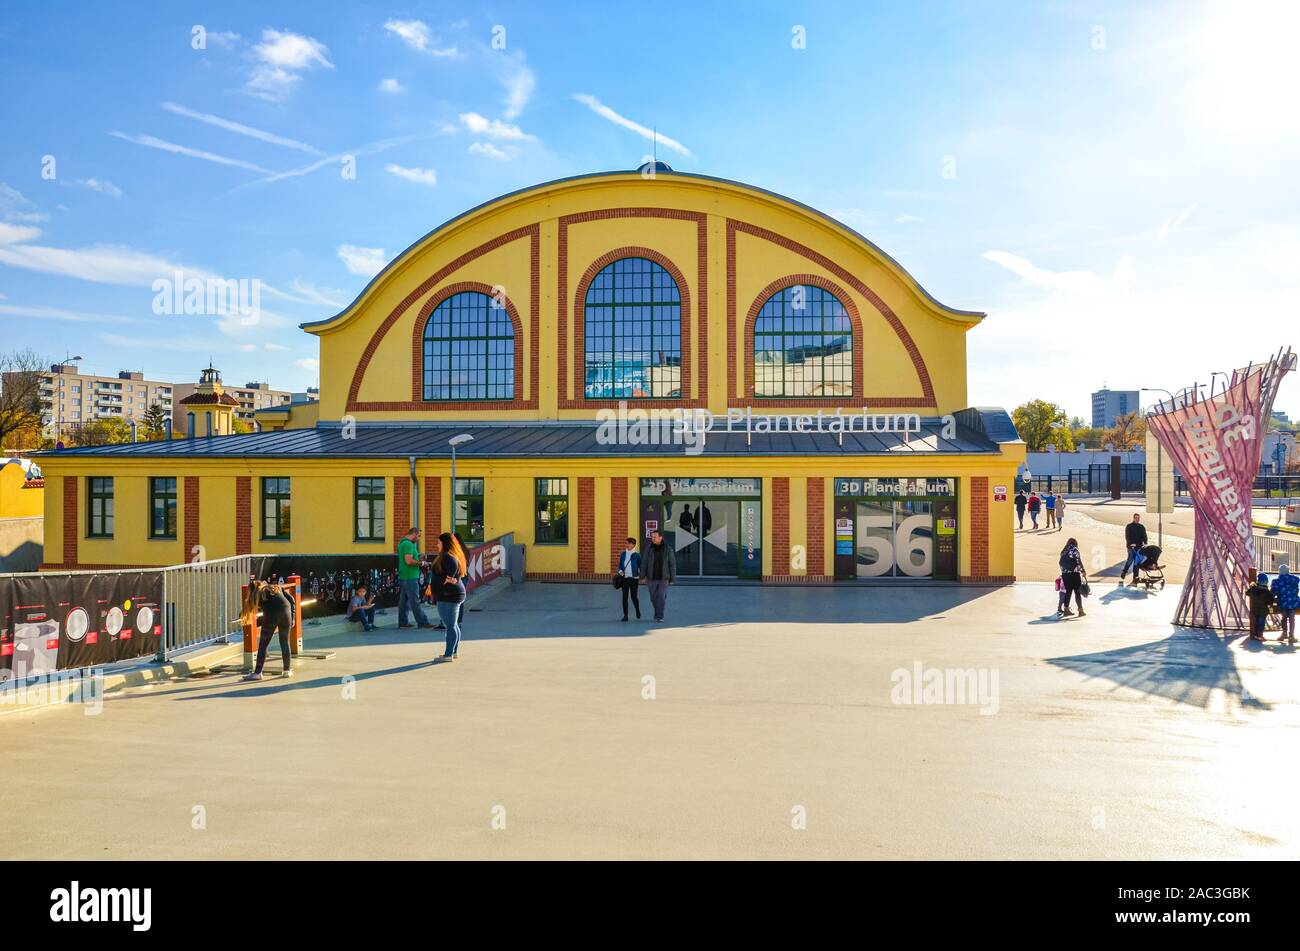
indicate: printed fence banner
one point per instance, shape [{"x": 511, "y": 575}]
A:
[
  {"x": 328, "y": 581},
  {"x": 60, "y": 622},
  {"x": 1216, "y": 444}
]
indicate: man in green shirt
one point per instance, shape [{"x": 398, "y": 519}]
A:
[{"x": 408, "y": 580}]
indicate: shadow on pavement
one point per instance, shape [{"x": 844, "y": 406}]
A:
[{"x": 1188, "y": 666}]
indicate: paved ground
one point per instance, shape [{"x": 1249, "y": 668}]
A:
[
  {"x": 1114, "y": 737},
  {"x": 1098, "y": 525}
]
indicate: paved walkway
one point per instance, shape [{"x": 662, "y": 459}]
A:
[{"x": 1114, "y": 736}]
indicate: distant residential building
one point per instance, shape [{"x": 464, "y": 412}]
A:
[
  {"x": 309, "y": 395},
  {"x": 1108, "y": 405},
  {"x": 70, "y": 397},
  {"x": 1279, "y": 452}
]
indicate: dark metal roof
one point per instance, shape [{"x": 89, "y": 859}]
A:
[{"x": 524, "y": 440}]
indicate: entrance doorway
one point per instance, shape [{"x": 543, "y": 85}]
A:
[{"x": 712, "y": 526}]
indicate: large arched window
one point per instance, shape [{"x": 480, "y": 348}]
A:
[
  {"x": 633, "y": 333},
  {"x": 803, "y": 345},
  {"x": 469, "y": 350}
]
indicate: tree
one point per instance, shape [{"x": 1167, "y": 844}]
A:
[
  {"x": 20, "y": 396},
  {"x": 1042, "y": 424},
  {"x": 98, "y": 432},
  {"x": 154, "y": 422},
  {"x": 1128, "y": 433}
]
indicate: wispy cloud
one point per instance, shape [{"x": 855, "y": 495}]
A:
[
  {"x": 101, "y": 185},
  {"x": 372, "y": 148},
  {"x": 281, "y": 59},
  {"x": 908, "y": 219},
  {"x": 1174, "y": 224},
  {"x": 605, "y": 112},
  {"x": 240, "y": 129},
  {"x": 494, "y": 128},
  {"x": 364, "y": 261},
  {"x": 1059, "y": 280},
  {"x": 327, "y": 296},
  {"x": 14, "y": 234},
  {"x": 102, "y": 264},
  {"x": 520, "y": 83},
  {"x": 416, "y": 35},
  {"x": 152, "y": 142},
  {"x": 391, "y": 86},
  {"x": 58, "y": 313},
  {"x": 489, "y": 150},
  {"x": 424, "y": 176}
]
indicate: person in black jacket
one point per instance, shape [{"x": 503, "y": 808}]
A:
[
  {"x": 1021, "y": 502},
  {"x": 1260, "y": 598},
  {"x": 1072, "y": 578},
  {"x": 658, "y": 570},
  {"x": 449, "y": 572},
  {"x": 277, "y": 618},
  {"x": 1135, "y": 537}
]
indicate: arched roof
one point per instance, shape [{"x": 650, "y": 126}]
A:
[{"x": 575, "y": 182}]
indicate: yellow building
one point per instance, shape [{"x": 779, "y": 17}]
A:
[{"x": 587, "y": 333}]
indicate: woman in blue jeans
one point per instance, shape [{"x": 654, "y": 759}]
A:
[{"x": 449, "y": 570}]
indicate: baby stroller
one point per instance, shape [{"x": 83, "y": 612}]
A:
[{"x": 1149, "y": 570}]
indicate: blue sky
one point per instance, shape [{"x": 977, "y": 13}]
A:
[{"x": 1113, "y": 183}]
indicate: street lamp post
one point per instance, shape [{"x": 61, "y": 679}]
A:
[
  {"x": 1160, "y": 489},
  {"x": 453, "y": 442}
]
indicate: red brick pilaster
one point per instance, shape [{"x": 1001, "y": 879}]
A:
[
  {"x": 979, "y": 528},
  {"x": 191, "y": 502},
  {"x": 243, "y": 515},
  {"x": 71, "y": 521},
  {"x": 816, "y": 525},
  {"x": 780, "y": 527},
  {"x": 618, "y": 492},
  {"x": 586, "y": 525},
  {"x": 432, "y": 506},
  {"x": 401, "y": 508}
]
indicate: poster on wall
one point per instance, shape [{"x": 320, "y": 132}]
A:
[{"x": 6, "y": 632}]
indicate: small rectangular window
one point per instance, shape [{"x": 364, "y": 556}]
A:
[
  {"x": 99, "y": 507},
  {"x": 370, "y": 505},
  {"x": 162, "y": 507},
  {"x": 275, "y": 508},
  {"x": 552, "y": 522},
  {"x": 467, "y": 507}
]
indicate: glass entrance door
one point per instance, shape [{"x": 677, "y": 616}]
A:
[
  {"x": 895, "y": 538},
  {"x": 705, "y": 537}
]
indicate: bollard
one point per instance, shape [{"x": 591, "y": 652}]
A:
[
  {"x": 248, "y": 621},
  {"x": 295, "y": 635}
]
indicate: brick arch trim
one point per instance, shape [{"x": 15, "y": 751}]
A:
[
  {"x": 521, "y": 401},
  {"x": 417, "y": 343},
  {"x": 735, "y": 227},
  {"x": 580, "y": 325},
  {"x": 855, "y": 319}
]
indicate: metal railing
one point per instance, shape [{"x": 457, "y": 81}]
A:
[
  {"x": 201, "y": 602},
  {"x": 1272, "y": 551}
]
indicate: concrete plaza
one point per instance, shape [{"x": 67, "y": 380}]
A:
[{"x": 1114, "y": 736}]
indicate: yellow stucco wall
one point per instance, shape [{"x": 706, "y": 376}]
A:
[
  {"x": 463, "y": 252},
  {"x": 16, "y": 501},
  {"x": 322, "y": 500}
]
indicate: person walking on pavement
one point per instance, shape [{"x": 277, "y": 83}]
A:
[
  {"x": 1135, "y": 537},
  {"x": 629, "y": 576},
  {"x": 1049, "y": 503},
  {"x": 408, "y": 580},
  {"x": 658, "y": 570},
  {"x": 277, "y": 618},
  {"x": 1060, "y": 512},
  {"x": 1072, "y": 577},
  {"x": 1021, "y": 502},
  {"x": 1035, "y": 503},
  {"x": 449, "y": 573},
  {"x": 1286, "y": 589}
]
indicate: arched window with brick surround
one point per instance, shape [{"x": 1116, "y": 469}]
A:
[
  {"x": 469, "y": 350},
  {"x": 633, "y": 332},
  {"x": 803, "y": 345}
]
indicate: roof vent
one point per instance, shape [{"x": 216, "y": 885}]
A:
[{"x": 654, "y": 168}]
